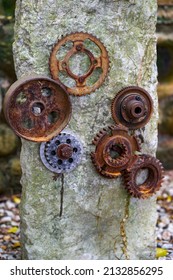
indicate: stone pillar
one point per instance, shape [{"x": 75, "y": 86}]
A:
[{"x": 83, "y": 215}]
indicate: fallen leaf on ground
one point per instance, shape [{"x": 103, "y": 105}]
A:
[
  {"x": 15, "y": 245},
  {"x": 161, "y": 252},
  {"x": 16, "y": 199},
  {"x": 13, "y": 230}
]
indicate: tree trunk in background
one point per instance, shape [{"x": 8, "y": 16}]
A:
[{"x": 99, "y": 219}]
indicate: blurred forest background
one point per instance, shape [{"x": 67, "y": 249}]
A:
[{"x": 10, "y": 170}]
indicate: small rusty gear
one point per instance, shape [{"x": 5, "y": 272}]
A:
[
  {"x": 114, "y": 150},
  {"x": 62, "y": 153},
  {"x": 37, "y": 108},
  {"x": 101, "y": 62},
  {"x": 132, "y": 107},
  {"x": 153, "y": 178}
]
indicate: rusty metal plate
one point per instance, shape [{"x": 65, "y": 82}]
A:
[
  {"x": 115, "y": 149},
  {"x": 153, "y": 180},
  {"x": 132, "y": 107},
  {"x": 101, "y": 62},
  {"x": 37, "y": 108}
]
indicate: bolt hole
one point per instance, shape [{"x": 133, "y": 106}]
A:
[
  {"x": 68, "y": 141},
  {"x": 28, "y": 123},
  {"x": 59, "y": 162},
  {"x": 46, "y": 92},
  {"x": 21, "y": 98},
  {"x": 53, "y": 153},
  {"x": 37, "y": 108},
  {"x": 75, "y": 150},
  {"x": 70, "y": 160},
  {"x": 138, "y": 110},
  {"x": 57, "y": 142},
  {"x": 53, "y": 117}
]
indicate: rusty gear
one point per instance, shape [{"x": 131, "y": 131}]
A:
[
  {"x": 114, "y": 150},
  {"x": 154, "y": 177},
  {"x": 78, "y": 47},
  {"x": 132, "y": 107},
  {"x": 62, "y": 153},
  {"x": 37, "y": 108}
]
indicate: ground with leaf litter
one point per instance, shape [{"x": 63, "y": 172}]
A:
[{"x": 10, "y": 223}]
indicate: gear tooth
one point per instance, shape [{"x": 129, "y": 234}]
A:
[
  {"x": 92, "y": 155},
  {"x": 111, "y": 127},
  {"x": 99, "y": 136}
]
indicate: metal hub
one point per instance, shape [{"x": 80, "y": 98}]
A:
[
  {"x": 62, "y": 153},
  {"x": 132, "y": 107}
]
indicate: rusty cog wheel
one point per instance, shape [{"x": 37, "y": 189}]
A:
[
  {"x": 132, "y": 107},
  {"x": 98, "y": 64},
  {"x": 37, "y": 108},
  {"x": 115, "y": 148},
  {"x": 152, "y": 180}
]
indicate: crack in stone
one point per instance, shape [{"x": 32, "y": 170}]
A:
[
  {"x": 61, "y": 195},
  {"x": 141, "y": 74},
  {"x": 123, "y": 228}
]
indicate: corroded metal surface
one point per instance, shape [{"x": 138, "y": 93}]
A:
[
  {"x": 153, "y": 180},
  {"x": 114, "y": 150},
  {"x": 132, "y": 107},
  {"x": 37, "y": 108},
  {"x": 100, "y": 62},
  {"x": 62, "y": 153}
]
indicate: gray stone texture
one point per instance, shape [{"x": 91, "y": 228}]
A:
[{"x": 83, "y": 215}]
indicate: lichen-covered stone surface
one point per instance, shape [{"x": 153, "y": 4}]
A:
[{"x": 83, "y": 215}]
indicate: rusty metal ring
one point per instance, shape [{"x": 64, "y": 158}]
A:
[
  {"x": 117, "y": 151},
  {"x": 37, "y": 108},
  {"x": 102, "y": 62},
  {"x": 153, "y": 180},
  {"x": 114, "y": 150},
  {"x": 132, "y": 107}
]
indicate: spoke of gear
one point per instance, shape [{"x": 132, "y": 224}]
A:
[
  {"x": 132, "y": 107},
  {"x": 62, "y": 153},
  {"x": 152, "y": 180},
  {"x": 114, "y": 150},
  {"x": 101, "y": 62}
]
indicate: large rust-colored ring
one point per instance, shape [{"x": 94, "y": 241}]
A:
[
  {"x": 132, "y": 107},
  {"x": 153, "y": 180},
  {"x": 37, "y": 108},
  {"x": 57, "y": 65},
  {"x": 114, "y": 150}
]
